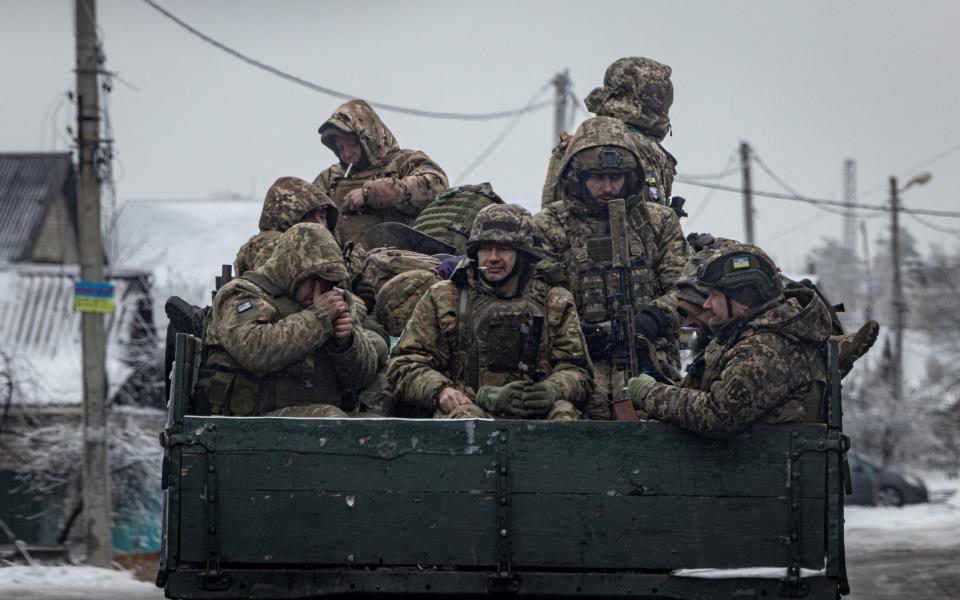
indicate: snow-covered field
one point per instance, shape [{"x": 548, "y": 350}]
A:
[{"x": 73, "y": 583}]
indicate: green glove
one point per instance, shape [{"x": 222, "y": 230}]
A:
[
  {"x": 503, "y": 399},
  {"x": 539, "y": 398},
  {"x": 637, "y": 389}
]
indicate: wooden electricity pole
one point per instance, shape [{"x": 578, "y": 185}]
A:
[
  {"x": 747, "y": 192},
  {"x": 96, "y": 479},
  {"x": 561, "y": 84},
  {"x": 899, "y": 309}
]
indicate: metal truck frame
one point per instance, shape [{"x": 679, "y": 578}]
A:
[{"x": 383, "y": 508}]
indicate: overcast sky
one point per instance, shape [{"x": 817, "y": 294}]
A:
[{"x": 808, "y": 84}]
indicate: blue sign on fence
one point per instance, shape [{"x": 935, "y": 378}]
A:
[{"x": 93, "y": 296}]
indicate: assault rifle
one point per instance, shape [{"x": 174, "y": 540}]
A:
[
  {"x": 623, "y": 334},
  {"x": 532, "y": 334}
]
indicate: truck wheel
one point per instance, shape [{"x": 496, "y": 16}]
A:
[{"x": 889, "y": 496}]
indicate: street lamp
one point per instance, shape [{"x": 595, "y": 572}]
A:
[{"x": 899, "y": 307}]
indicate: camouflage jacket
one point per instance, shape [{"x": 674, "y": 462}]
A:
[
  {"x": 767, "y": 366},
  {"x": 397, "y": 184},
  {"x": 429, "y": 356},
  {"x": 637, "y": 91},
  {"x": 287, "y": 202},
  {"x": 283, "y": 353},
  {"x": 567, "y": 228}
]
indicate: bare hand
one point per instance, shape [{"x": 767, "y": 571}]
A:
[
  {"x": 343, "y": 326},
  {"x": 450, "y": 398},
  {"x": 330, "y": 303},
  {"x": 354, "y": 200}
]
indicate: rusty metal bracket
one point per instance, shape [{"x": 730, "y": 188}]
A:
[
  {"x": 205, "y": 437},
  {"x": 503, "y": 581}
]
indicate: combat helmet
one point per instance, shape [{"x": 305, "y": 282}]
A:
[
  {"x": 507, "y": 224},
  {"x": 598, "y": 160},
  {"x": 744, "y": 273},
  {"x": 705, "y": 247}
]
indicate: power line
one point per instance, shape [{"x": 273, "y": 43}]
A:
[
  {"x": 926, "y": 223},
  {"x": 709, "y": 195},
  {"x": 720, "y": 175},
  {"x": 821, "y": 201},
  {"x": 341, "y": 95},
  {"x": 498, "y": 140},
  {"x": 784, "y": 185},
  {"x": 916, "y": 167}
]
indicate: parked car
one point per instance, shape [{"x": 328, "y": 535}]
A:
[{"x": 883, "y": 487}]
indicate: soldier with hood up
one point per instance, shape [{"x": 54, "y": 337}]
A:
[
  {"x": 283, "y": 340},
  {"x": 374, "y": 180},
  {"x": 288, "y": 201},
  {"x": 766, "y": 361},
  {"x": 496, "y": 339},
  {"x": 638, "y": 92},
  {"x": 601, "y": 164}
]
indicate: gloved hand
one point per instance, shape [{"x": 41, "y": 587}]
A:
[
  {"x": 539, "y": 398},
  {"x": 503, "y": 399},
  {"x": 651, "y": 322},
  {"x": 637, "y": 388},
  {"x": 597, "y": 340},
  {"x": 366, "y": 292}
]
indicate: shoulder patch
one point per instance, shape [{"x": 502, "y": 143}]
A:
[{"x": 244, "y": 306}]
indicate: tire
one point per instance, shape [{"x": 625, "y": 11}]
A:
[{"x": 889, "y": 496}]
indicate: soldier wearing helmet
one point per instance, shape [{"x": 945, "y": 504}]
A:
[
  {"x": 374, "y": 180},
  {"x": 638, "y": 92},
  {"x": 283, "y": 339},
  {"x": 766, "y": 361},
  {"x": 288, "y": 201},
  {"x": 496, "y": 339},
  {"x": 600, "y": 164}
]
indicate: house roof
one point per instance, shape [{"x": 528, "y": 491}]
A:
[{"x": 29, "y": 184}]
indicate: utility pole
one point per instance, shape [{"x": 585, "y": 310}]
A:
[
  {"x": 747, "y": 192},
  {"x": 96, "y": 480},
  {"x": 850, "y": 198},
  {"x": 868, "y": 311},
  {"x": 897, "y": 294},
  {"x": 561, "y": 84}
]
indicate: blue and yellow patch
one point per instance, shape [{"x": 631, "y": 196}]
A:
[{"x": 741, "y": 262}]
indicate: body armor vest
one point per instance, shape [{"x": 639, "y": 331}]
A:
[
  {"x": 590, "y": 268},
  {"x": 491, "y": 338},
  {"x": 351, "y": 225},
  {"x": 451, "y": 215},
  {"x": 225, "y": 387}
]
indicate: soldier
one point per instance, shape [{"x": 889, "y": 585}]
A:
[
  {"x": 637, "y": 91},
  {"x": 283, "y": 340},
  {"x": 766, "y": 361},
  {"x": 601, "y": 164},
  {"x": 374, "y": 180},
  {"x": 288, "y": 201},
  {"x": 496, "y": 339}
]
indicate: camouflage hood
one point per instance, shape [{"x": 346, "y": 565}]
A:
[
  {"x": 289, "y": 199},
  {"x": 356, "y": 117},
  {"x": 638, "y": 91},
  {"x": 306, "y": 249},
  {"x": 802, "y": 315},
  {"x": 596, "y": 131}
]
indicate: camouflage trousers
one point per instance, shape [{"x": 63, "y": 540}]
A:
[
  {"x": 607, "y": 381},
  {"x": 308, "y": 411},
  {"x": 562, "y": 410}
]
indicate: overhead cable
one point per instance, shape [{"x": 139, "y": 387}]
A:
[
  {"x": 342, "y": 95},
  {"x": 821, "y": 201}
]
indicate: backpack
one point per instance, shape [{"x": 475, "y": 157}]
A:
[{"x": 450, "y": 216}]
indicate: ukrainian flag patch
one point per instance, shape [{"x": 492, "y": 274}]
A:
[{"x": 741, "y": 262}]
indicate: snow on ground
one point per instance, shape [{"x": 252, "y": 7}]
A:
[
  {"x": 70, "y": 583},
  {"x": 914, "y": 526}
]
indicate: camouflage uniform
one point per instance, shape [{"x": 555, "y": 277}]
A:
[
  {"x": 267, "y": 352},
  {"x": 637, "y": 91},
  {"x": 576, "y": 231},
  {"x": 287, "y": 202},
  {"x": 467, "y": 333},
  {"x": 767, "y": 365},
  {"x": 398, "y": 297},
  {"x": 397, "y": 184}
]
